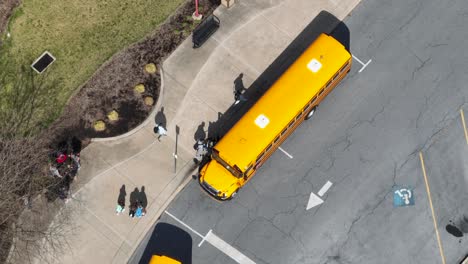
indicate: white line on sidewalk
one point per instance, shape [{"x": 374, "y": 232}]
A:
[
  {"x": 287, "y": 154},
  {"x": 218, "y": 243},
  {"x": 364, "y": 65},
  {"x": 324, "y": 188}
]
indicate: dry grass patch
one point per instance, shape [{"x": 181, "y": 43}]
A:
[{"x": 82, "y": 35}]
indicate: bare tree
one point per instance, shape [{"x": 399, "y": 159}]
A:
[{"x": 28, "y": 223}]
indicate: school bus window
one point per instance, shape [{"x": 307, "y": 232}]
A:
[
  {"x": 336, "y": 75},
  {"x": 260, "y": 157},
  {"x": 284, "y": 131},
  {"x": 276, "y": 124},
  {"x": 248, "y": 170},
  {"x": 234, "y": 171},
  {"x": 344, "y": 67}
]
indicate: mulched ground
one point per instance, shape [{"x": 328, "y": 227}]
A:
[{"x": 111, "y": 87}]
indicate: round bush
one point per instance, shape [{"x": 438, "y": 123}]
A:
[
  {"x": 150, "y": 68},
  {"x": 140, "y": 88},
  {"x": 99, "y": 125}
]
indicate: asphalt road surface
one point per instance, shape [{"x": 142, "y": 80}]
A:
[{"x": 366, "y": 139}]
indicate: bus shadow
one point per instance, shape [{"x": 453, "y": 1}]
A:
[
  {"x": 171, "y": 241},
  {"x": 324, "y": 22}
]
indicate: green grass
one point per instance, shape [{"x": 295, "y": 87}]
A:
[{"x": 81, "y": 34}]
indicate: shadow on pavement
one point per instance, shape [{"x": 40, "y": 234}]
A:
[
  {"x": 200, "y": 132},
  {"x": 142, "y": 197},
  {"x": 160, "y": 118},
  {"x": 170, "y": 241},
  {"x": 134, "y": 196},
  {"x": 122, "y": 195},
  {"x": 323, "y": 23},
  {"x": 342, "y": 34}
]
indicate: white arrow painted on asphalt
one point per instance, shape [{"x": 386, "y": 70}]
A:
[{"x": 314, "y": 200}]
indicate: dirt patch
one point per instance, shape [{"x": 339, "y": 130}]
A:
[
  {"x": 111, "y": 87},
  {"x": 6, "y": 9}
]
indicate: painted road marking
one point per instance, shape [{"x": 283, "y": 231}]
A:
[
  {"x": 314, "y": 200},
  {"x": 287, "y": 154},
  {"x": 325, "y": 188},
  {"x": 364, "y": 65},
  {"x": 464, "y": 125},
  {"x": 218, "y": 243},
  {"x": 227, "y": 249},
  {"x": 432, "y": 208},
  {"x": 184, "y": 224}
]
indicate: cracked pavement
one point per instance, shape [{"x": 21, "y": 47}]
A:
[{"x": 365, "y": 138}]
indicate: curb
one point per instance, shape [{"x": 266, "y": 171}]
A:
[
  {"x": 144, "y": 123},
  {"x": 186, "y": 170}
]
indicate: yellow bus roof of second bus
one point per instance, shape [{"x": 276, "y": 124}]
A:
[
  {"x": 282, "y": 102},
  {"x": 156, "y": 259}
]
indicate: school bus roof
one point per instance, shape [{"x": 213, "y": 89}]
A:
[
  {"x": 282, "y": 102},
  {"x": 156, "y": 259}
]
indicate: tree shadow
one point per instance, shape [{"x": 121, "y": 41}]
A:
[
  {"x": 68, "y": 144},
  {"x": 160, "y": 117}
]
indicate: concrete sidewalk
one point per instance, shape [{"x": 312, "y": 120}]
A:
[
  {"x": 252, "y": 34},
  {"x": 197, "y": 87}
]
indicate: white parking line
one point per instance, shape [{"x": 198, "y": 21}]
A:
[
  {"x": 184, "y": 224},
  {"x": 218, "y": 243},
  {"x": 364, "y": 65},
  {"x": 287, "y": 154},
  {"x": 325, "y": 188},
  {"x": 227, "y": 249}
]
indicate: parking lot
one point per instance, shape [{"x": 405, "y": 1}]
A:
[{"x": 400, "y": 105}]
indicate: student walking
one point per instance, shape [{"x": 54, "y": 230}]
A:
[
  {"x": 133, "y": 208},
  {"x": 120, "y": 207},
  {"x": 239, "y": 89},
  {"x": 139, "y": 211},
  {"x": 121, "y": 201},
  {"x": 239, "y": 96},
  {"x": 160, "y": 130}
]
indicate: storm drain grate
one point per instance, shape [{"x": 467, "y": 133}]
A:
[{"x": 43, "y": 62}]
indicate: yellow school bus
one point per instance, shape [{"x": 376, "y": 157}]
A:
[
  {"x": 156, "y": 259},
  {"x": 290, "y": 100}
]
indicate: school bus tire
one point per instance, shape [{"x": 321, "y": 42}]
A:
[{"x": 311, "y": 113}]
